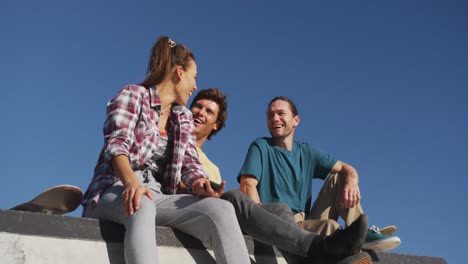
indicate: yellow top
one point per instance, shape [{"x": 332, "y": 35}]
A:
[{"x": 210, "y": 168}]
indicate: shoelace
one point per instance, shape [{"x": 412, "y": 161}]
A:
[{"x": 375, "y": 229}]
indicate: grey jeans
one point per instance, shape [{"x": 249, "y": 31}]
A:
[
  {"x": 211, "y": 220},
  {"x": 272, "y": 224}
]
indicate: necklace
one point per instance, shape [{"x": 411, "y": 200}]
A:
[{"x": 165, "y": 110}]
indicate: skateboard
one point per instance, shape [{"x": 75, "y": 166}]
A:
[{"x": 60, "y": 199}]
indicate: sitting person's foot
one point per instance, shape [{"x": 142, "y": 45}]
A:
[
  {"x": 343, "y": 242},
  {"x": 377, "y": 241}
]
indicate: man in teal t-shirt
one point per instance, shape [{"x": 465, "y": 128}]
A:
[
  {"x": 281, "y": 169},
  {"x": 286, "y": 175}
]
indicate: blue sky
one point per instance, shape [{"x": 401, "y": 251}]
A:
[{"x": 381, "y": 85}]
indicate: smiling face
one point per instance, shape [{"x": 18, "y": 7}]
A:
[
  {"x": 205, "y": 116},
  {"x": 187, "y": 83},
  {"x": 280, "y": 120}
]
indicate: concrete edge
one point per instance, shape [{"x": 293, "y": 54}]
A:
[{"x": 67, "y": 227}]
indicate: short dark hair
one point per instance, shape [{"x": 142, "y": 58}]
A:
[
  {"x": 292, "y": 105},
  {"x": 215, "y": 95}
]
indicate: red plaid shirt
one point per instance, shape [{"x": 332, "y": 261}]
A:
[{"x": 131, "y": 129}]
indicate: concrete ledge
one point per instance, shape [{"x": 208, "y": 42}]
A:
[
  {"x": 66, "y": 227},
  {"x": 38, "y": 238}
]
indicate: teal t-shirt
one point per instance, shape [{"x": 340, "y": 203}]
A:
[{"x": 286, "y": 176}]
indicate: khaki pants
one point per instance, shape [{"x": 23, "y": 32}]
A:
[{"x": 327, "y": 208}]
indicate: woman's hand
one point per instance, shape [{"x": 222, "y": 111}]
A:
[
  {"x": 131, "y": 197},
  {"x": 202, "y": 187}
]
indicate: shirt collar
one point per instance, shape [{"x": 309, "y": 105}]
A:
[
  {"x": 155, "y": 101},
  {"x": 154, "y": 97}
]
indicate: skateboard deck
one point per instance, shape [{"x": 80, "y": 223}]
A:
[{"x": 60, "y": 199}]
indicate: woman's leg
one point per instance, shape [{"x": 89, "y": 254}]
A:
[{"x": 140, "y": 237}]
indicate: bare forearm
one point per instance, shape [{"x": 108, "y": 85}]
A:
[
  {"x": 123, "y": 170},
  {"x": 248, "y": 185},
  {"x": 251, "y": 192},
  {"x": 348, "y": 171}
]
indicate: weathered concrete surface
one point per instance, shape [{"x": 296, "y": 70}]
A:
[{"x": 27, "y": 238}]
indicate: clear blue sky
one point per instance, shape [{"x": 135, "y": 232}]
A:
[{"x": 382, "y": 85}]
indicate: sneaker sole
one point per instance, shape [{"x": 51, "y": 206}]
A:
[
  {"x": 383, "y": 245},
  {"x": 388, "y": 230},
  {"x": 358, "y": 258}
]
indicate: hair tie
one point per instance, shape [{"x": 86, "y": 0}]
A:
[{"x": 171, "y": 43}]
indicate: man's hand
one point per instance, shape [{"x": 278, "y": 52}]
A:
[
  {"x": 131, "y": 197},
  {"x": 202, "y": 188},
  {"x": 351, "y": 195}
]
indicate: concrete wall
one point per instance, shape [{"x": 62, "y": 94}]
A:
[{"x": 27, "y": 238}]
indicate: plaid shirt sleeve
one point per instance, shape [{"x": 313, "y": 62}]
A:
[
  {"x": 185, "y": 164},
  {"x": 191, "y": 166},
  {"x": 122, "y": 116}
]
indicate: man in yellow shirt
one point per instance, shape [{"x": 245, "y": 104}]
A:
[{"x": 273, "y": 223}]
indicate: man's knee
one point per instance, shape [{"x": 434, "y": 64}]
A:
[
  {"x": 232, "y": 195},
  {"x": 334, "y": 183},
  {"x": 279, "y": 208},
  {"x": 335, "y": 178},
  {"x": 283, "y": 207},
  {"x": 284, "y": 212}
]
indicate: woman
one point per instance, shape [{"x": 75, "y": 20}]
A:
[{"x": 149, "y": 147}]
